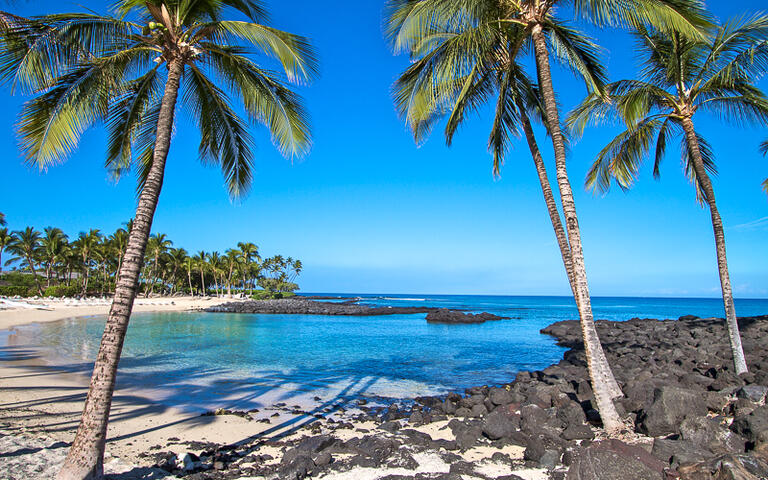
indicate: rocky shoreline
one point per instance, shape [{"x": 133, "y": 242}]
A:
[
  {"x": 688, "y": 417},
  {"x": 302, "y": 306}
]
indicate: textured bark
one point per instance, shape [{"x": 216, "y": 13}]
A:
[
  {"x": 85, "y": 459},
  {"x": 705, "y": 183},
  {"x": 603, "y": 382},
  {"x": 549, "y": 198}
]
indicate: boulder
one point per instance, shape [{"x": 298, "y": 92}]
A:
[
  {"x": 500, "y": 396},
  {"x": 755, "y": 393},
  {"x": 501, "y": 423},
  {"x": 614, "y": 460},
  {"x": 754, "y": 424},
  {"x": 726, "y": 467},
  {"x": 675, "y": 452},
  {"x": 669, "y": 407},
  {"x": 708, "y": 433}
]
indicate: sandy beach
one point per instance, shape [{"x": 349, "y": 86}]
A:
[
  {"x": 40, "y": 406},
  {"x": 36, "y": 398}
]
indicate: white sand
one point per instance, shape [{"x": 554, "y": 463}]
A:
[{"x": 39, "y": 402}]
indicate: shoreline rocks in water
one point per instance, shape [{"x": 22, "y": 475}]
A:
[
  {"x": 444, "y": 315},
  {"x": 303, "y": 306}
]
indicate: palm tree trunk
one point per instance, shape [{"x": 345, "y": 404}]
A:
[
  {"x": 189, "y": 278},
  {"x": 604, "y": 384},
  {"x": 739, "y": 362},
  {"x": 549, "y": 198},
  {"x": 34, "y": 275},
  {"x": 85, "y": 459},
  {"x": 202, "y": 281}
]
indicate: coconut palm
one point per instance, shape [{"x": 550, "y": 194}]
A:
[
  {"x": 201, "y": 263},
  {"x": 452, "y": 44},
  {"x": 2, "y": 219},
  {"x": 232, "y": 262},
  {"x": 249, "y": 253},
  {"x": 5, "y": 239},
  {"x": 127, "y": 71},
  {"x": 119, "y": 242},
  {"x": 157, "y": 246},
  {"x": 681, "y": 78},
  {"x": 25, "y": 244},
  {"x": 53, "y": 245},
  {"x": 86, "y": 245}
]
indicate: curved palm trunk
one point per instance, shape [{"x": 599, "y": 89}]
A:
[
  {"x": 34, "y": 275},
  {"x": 739, "y": 362},
  {"x": 202, "y": 282},
  {"x": 549, "y": 198},
  {"x": 85, "y": 459},
  {"x": 604, "y": 384},
  {"x": 189, "y": 278}
]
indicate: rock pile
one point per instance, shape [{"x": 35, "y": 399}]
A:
[{"x": 444, "y": 315}]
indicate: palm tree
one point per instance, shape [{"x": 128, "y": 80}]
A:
[
  {"x": 201, "y": 262},
  {"x": 2, "y": 219},
  {"x": 5, "y": 239},
  {"x": 216, "y": 264},
  {"x": 157, "y": 245},
  {"x": 86, "y": 245},
  {"x": 52, "y": 245},
  {"x": 119, "y": 242},
  {"x": 249, "y": 253},
  {"x": 680, "y": 78},
  {"x": 126, "y": 71},
  {"x": 189, "y": 265},
  {"x": 177, "y": 258},
  {"x": 452, "y": 44},
  {"x": 25, "y": 244},
  {"x": 232, "y": 260}
]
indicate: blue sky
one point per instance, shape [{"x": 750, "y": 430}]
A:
[{"x": 368, "y": 211}]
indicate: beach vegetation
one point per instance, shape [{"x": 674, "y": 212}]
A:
[
  {"x": 117, "y": 70},
  {"x": 681, "y": 79},
  {"x": 89, "y": 266}
]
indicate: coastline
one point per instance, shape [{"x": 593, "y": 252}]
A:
[
  {"x": 535, "y": 427},
  {"x": 59, "y": 310}
]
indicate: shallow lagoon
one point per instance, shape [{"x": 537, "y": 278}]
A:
[{"x": 204, "y": 360}]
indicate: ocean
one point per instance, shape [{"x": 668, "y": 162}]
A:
[{"x": 209, "y": 360}]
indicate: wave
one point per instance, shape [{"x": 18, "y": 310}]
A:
[{"x": 405, "y": 299}]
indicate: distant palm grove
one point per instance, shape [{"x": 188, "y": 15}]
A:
[{"x": 51, "y": 264}]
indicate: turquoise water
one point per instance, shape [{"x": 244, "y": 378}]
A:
[{"x": 200, "y": 358}]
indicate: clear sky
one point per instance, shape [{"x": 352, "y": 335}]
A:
[{"x": 368, "y": 211}]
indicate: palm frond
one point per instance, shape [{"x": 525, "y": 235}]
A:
[
  {"x": 225, "y": 139},
  {"x": 578, "y": 52},
  {"x": 689, "y": 17},
  {"x": 620, "y": 160},
  {"x": 294, "y": 52},
  {"x": 266, "y": 99}
]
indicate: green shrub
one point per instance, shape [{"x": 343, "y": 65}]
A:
[
  {"x": 20, "y": 290},
  {"x": 62, "y": 291},
  {"x": 17, "y": 279},
  {"x": 267, "y": 295}
]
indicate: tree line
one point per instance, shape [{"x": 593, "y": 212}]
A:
[
  {"x": 126, "y": 71},
  {"x": 89, "y": 264}
]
